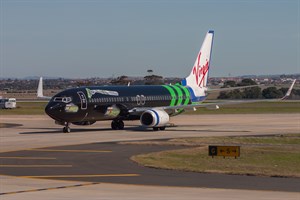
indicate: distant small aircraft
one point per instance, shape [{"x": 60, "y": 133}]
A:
[{"x": 152, "y": 105}]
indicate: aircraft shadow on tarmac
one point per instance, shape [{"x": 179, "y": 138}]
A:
[
  {"x": 128, "y": 129},
  {"x": 59, "y": 131},
  {"x": 77, "y": 130},
  {"x": 9, "y": 125}
]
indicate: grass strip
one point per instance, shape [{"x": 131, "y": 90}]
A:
[{"x": 261, "y": 156}]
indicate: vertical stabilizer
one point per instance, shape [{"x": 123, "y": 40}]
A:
[{"x": 197, "y": 80}]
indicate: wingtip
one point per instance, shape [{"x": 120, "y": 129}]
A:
[
  {"x": 288, "y": 93},
  {"x": 40, "y": 88}
]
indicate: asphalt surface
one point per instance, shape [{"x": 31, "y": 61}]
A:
[{"x": 110, "y": 163}]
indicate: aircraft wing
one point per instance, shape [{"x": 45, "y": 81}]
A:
[
  {"x": 214, "y": 105},
  {"x": 210, "y": 90}
]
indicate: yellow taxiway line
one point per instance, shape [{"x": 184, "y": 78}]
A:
[
  {"x": 28, "y": 158},
  {"x": 30, "y": 166},
  {"x": 70, "y": 150},
  {"x": 82, "y": 176}
]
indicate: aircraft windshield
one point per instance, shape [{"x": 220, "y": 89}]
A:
[{"x": 62, "y": 99}]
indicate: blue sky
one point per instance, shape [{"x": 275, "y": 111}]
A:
[{"x": 80, "y": 39}]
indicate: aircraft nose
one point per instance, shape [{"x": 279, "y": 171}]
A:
[{"x": 54, "y": 110}]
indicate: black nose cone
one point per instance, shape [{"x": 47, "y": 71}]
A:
[{"x": 54, "y": 110}]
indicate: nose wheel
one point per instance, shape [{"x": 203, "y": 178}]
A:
[
  {"x": 67, "y": 128},
  {"x": 117, "y": 125}
]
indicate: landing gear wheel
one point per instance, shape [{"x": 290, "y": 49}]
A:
[
  {"x": 120, "y": 125},
  {"x": 117, "y": 125},
  {"x": 114, "y": 125},
  {"x": 155, "y": 128},
  {"x": 162, "y": 128},
  {"x": 66, "y": 129}
]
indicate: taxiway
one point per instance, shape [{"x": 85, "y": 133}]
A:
[{"x": 91, "y": 158}]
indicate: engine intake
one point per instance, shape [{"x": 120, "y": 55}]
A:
[{"x": 154, "y": 118}]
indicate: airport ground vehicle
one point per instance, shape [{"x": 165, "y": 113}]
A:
[{"x": 8, "y": 103}]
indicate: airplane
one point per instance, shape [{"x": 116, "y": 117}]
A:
[{"x": 153, "y": 105}]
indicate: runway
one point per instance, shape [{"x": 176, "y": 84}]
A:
[{"x": 92, "y": 155}]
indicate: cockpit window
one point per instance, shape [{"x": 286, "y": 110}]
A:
[{"x": 62, "y": 99}]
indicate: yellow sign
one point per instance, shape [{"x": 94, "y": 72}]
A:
[{"x": 232, "y": 151}]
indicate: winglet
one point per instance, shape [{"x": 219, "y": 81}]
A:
[
  {"x": 40, "y": 90},
  {"x": 288, "y": 93}
]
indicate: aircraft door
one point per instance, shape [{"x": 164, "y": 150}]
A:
[{"x": 83, "y": 100}]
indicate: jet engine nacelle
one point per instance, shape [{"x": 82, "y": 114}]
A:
[{"x": 154, "y": 118}]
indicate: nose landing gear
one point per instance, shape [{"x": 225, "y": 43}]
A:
[
  {"x": 67, "y": 128},
  {"x": 117, "y": 124}
]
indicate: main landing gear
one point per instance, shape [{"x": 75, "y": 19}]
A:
[
  {"x": 159, "y": 128},
  {"x": 67, "y": 128},
  {"x": 117, "y": 124}
]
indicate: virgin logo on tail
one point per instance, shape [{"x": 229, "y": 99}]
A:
[{"x": 200, "y": 72}]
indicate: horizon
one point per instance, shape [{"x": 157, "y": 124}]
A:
[{"x": 96, "y": 77}]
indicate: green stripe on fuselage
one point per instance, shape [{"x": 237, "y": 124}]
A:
[
  {"x": 172, "y": 93},
  {"x": 179, "y": 92},
  {"x": 187, "y": 94}
]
